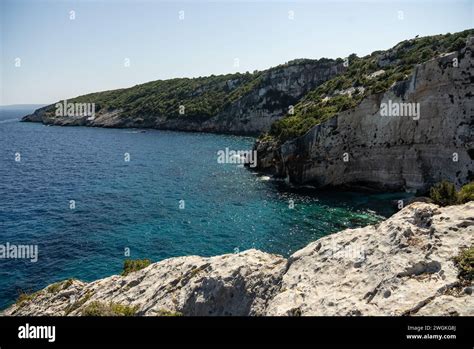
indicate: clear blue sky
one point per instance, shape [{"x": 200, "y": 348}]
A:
[{"x": 62, "y": 58}]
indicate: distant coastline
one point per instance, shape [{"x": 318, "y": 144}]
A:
[{"x": 300, "y": 107}]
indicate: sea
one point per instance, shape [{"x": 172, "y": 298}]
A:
[{"x": 89, "y": 198}]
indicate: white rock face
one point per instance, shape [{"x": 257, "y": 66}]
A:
[
  {"x": 363, "y": 147},
  {"x": 232, "y": 284},
  {"x": 403, "y": 265},
  {"x": 399, "y": 267}
]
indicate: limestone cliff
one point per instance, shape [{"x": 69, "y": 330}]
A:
[
  {"x": 235, "y": 103},
  {"x": 322, "y": 120},
  {"x": 403, "y": 266},
  {"x": 364, "y": 147}
]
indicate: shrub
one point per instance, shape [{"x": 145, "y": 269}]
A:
[
  {"x": 466, "y": 193},
  {"x": 111, "y": 309},
  {"x": 444, "y": 194},
  {"x": 164, "y": 312},
  {"x": 24, "y": 298},
  {"x": 76, "y": 305},
  {"x": 465, "y": 263},
  {"x": 59, "y": 286},
  {"x": 458, "y": 44},
  {"x": 54, "y": 288},
  {"x": 132, "y": 265}
]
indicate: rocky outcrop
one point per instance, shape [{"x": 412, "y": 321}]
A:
[
  {"x": 253, "y": 113},
  {"x": 233, "y": 284},
  {"x": 402, "y": 266},
  {"x": 363, "y": 147}
]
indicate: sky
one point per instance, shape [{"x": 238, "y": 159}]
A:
[{"x": 49, "y": 53}]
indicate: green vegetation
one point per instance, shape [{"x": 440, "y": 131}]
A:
[
  {"x": 466, "y": 193},
  {"x": 24, "y": 298},
  {"x": 465, "y": 263},
  {"x": 444, "y": 193},
  {"x": 202, "y": 97},
  {"x": 347, "y": 90},
  {"x": 108, "y": 309},
  {"x": 163, "y": 312},
  {"x": 76, "y": 305},
  {"x": 205, "y": 97},
  {"x": 131, "y": 265},
  {"x": 55, "y": 288},
  {"x": 59, "y": 286}
]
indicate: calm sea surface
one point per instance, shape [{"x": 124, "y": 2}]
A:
[{"x": 136, "y": 204}]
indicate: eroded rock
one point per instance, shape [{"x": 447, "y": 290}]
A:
[{"x": 407, "y": 264}]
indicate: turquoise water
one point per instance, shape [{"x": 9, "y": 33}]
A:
[{"x": 135, "y": 204}]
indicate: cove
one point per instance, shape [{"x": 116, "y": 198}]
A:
[{"x": 135, "y": 205}]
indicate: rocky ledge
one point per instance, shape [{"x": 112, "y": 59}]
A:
[{"x": 403, "y": 266}]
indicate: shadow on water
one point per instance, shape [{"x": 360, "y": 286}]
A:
[{"x": 382, "y": 204}]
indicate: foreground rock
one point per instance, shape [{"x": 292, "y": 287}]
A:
[
  {"x": 400, "y": 267},
  {"x": 403, "y": 266},
  {"x": 233, "y": 284}
]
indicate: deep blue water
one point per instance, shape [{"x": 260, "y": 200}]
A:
[{"x": 136, "y": 204}]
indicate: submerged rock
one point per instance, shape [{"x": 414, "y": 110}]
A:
[{"x": 402, "y": 266}]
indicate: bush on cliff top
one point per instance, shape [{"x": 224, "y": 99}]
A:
[
  {"x": 465, "y": 263},
  {"x": 131, "y": 265},
  {"x": 108, "y": 309},
  {"x": 444, "y": 193},
  {"x": 466, "y": 193},
  {"x": 332, "y": 97},
  {"x": 59, "y": 286},
  {"x": 25, "y": 297}
]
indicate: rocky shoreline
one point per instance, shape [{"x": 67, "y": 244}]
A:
[
  {"x": 404, "y": 265},
  {"x": 253, "y": 113},
  {"x": 354, "y": 147}
]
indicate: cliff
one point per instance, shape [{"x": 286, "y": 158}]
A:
[
  {"x": 364, "y": 146},
  {"x": 405, "y": 265},
  {"x": 232, "y": 103},
  {"x": 323, "y": 121}
]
